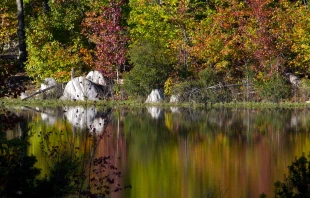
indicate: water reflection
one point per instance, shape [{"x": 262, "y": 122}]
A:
[
  {"x": 156, "y": 112},
  {"x": 66, "y": 151},
  {"x": 174, "y": 109},
  {"x": 87, "y": 118},
  {"x": 49, "y": 116},
  {"x": 182, "y": 152}
]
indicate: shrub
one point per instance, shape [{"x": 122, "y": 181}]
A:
[
  {"x": 168, "y": 87},
  {"x": 273, "y": 89},
  {"x": 141, "y": 80},
  {"x": 151, "y": 68},
  {"x": 190, "y": 91},
  {"x": 305, "y": 88},
  {"x": 199, "y": 90},
  {"x": 208, "y": 77},
  {"x": 297, "y": 183}
]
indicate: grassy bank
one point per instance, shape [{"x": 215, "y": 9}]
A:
[{"x": 135, "y": 103}]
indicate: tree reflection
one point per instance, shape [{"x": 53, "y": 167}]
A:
[
  {"x": 72, "y": 169},
  {"x": 17, "y": 171}
]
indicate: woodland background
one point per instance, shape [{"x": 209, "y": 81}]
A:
[{"x": 192, "y": 48}]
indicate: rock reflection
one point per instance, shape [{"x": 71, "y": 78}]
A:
[
  {"x": 156, "y": 112},
  {"x": 87, "y": 118},
  {"x": 79, "y": 117},
  {"x": 175, "y": 109},
  {"x": 49, "y": 116},
  {"x": 51, "y": 120}
]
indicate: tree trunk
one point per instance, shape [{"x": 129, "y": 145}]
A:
[
  {"x": 21, "y": 33},
  {"x": 46, "y": 6},
  {"x": 72, "y": 73}
]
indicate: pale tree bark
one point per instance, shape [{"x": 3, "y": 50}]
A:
[{"x": 21, "y": 32}]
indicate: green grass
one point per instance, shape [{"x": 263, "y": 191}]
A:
[{"x": 139, "y": 103}]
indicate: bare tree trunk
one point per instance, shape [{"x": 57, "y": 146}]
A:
[
  {"x": 72, "y": 73},
  {"x": 21, "y": 32}
]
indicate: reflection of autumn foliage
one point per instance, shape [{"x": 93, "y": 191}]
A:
[
  {"x": 8, "y": 119},
  {"x": 17, "y": 175},
  {"x": 109, "y": 163},
  {"x": 72, "y": 158},
  {"x": 241, "y": 151},
  {"x": 104, "y": 176}
]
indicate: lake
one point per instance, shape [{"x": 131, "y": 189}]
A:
[{"x": 171, "y": 152}]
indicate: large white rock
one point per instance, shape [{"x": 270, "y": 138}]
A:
[
  {"x": 155, "y": 96},
  {"x": 97, "y": 78},
  {"x": 294, "y": 80},
  {"x": 52, "y": 93},
  {"x": 80, "y": 88},
  {"x": 48, "y": 82},
  {"x": 174, "y": 99},
  {"x": 23, "y": 95}
]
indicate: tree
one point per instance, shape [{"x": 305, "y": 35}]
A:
[
  {"x": 149, "y": 47},
  {"x": 8, "y": 24},
  {"x": 295, "y": 36},
  {"x": 104, "y": 28},
  {"x": 54, "y": 40},
  {"x": 150, "y": 70},
  {"x": 21, "y": 32},
  {"x": 297, "y": 183},
  {"x": 254, "y": 35}
]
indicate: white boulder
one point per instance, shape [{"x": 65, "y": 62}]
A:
[
  {"x": 80, "y": 88},
  {"x": 23, "y": 95},
  {"x": 174, "y": 99},
  {"x": 294, "y": 80},
  {"x": 155, "y": 96},
  {"x": 55, "y": 92},
  {"x": 97, "y": 78},
  {"x": 48, "y": 82}
]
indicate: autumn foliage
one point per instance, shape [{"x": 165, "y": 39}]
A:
[
  {"x": 238, "y": 40},
  {"x": 104, "y": 28}
]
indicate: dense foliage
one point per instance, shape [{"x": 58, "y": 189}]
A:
[
  {"x": 54, "y": 42},
  {"x": 250, "y": 41},
  {"x": 104, "y": 29},
  {"x": 297, "y": 182}
]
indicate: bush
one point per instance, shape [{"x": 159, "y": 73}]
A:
[
  {"x": 152, "y": 66},
  {"x": 190, "y": 91},
  {"x": 140, "y": 81},
  {"x": 208, "y": 77},
  {"x": 305, "y": 88},
  {"x": 273, "y": 89},
  {"x": 297, "y": 183},
  {"x": 199, "y": 90},
  {"x": 168, "y": 87}
]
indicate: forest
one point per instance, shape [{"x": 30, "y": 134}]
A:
[{"x": 215, "y": 50}]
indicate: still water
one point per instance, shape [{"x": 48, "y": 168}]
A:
[{"x": 176, "y": 152}]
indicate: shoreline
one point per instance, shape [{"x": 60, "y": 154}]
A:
[{"x": 7, "y": 102}]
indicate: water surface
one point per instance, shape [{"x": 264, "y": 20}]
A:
[{"x": 178, "y": 152}]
